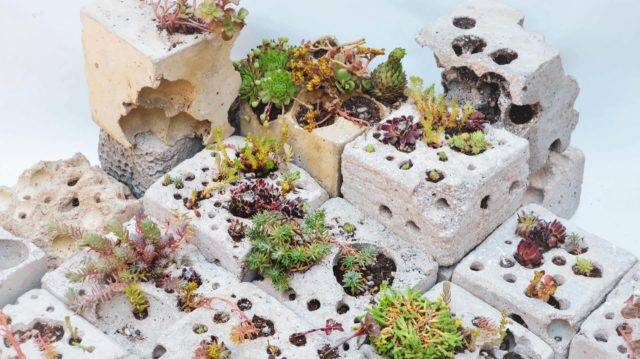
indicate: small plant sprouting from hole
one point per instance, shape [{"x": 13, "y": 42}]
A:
[
  {"x": 528, "y": 254},
  {"x": 486, "y": 332},
  {"x": 369, "y": 148},
  {"x": 7, "y": 333},
  {"x": 168, "y": 180},
  {"x": 401, "y": 132},
  {"x": 289, "y": 182},
  {"x": 329, "y": 327},
  {"x": 442, "y": 156},
  {"x": 212, "y": 349},
  {"x": 250, "y": 198},
  {"x": 537, "y": 233},
  {"x": 626, "y": 332},
  {"x": 434, "y": 176},
  {"x": 406, "y": 165},
  {"x": 353, "y": 265},
  {"x": 585, "y": 267},
  {"x": 46, "y": 347},
  {"x": 236, "y": 229},
  {"x": 75, "y": 339},
  {"x": 575, "y": 244},
  {"x": 542, "y": 286},
  {"x": 472, "y": 143}
]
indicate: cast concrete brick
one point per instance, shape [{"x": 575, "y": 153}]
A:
[
  {"x": 467, "y": 307},
  {"x": 485, "y": 273},
  {"x": 558, "y": 185},
  {"x": 317, "y": 151},
  {"x": 211, "y": 221},
  {"x": 22, "y": 265},
  {"x": 598, "y": 337},
  {"x": 38, "y": 307},
  {"x": 142, "y": 79},
  {"x": 511, "y": 75},
  {"x": 69, "y": 192},
  {"x": 448, "y": 218},
  {"x": 317, "y": 295}
]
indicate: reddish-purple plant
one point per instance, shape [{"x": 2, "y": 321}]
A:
[
  {"x": 557, "y": 233},
  {"x": 251, "y": 197},
  {"x": 475, "y": 122},
  {"x": 180, "y": 16},
  {"x": 528, "y": 254},
  {"x": 329, "y": 327},
  {"x": 401, "y": 132}
]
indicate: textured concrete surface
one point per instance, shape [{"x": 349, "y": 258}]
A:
[
  {"x": 448, "y": 218},
  {"x": 512, "y": 75},
  {"x": 484, "y": 274},
  {"x": 22, "y": 265}
]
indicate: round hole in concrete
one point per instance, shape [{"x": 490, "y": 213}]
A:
[
  {"x": 313, "y": 305},
  {"x": 72, "y": 182},
  {"x": 442, "y": 204},
  {"x": 559, "y": 279},
  {"x": 560, "y": 330},
  {"x": 622, "y": 349},
  {"x": 75, "y": 202},
  {"x": 342, "y": 307},
  {"x": 345, "y": 346},
  {"x": 46, "y": 200},
  {"x": 389, "y": 158},
  {"x": 559, "y": 260},
  {"x": 508, "y": 242},
  {"x": 413, "y": 227},
  {"x": 522, "y": 114},
  {"x": 556, "y": 145},
  {"x": 476, "y": 266},
  {"x": 506, "y": 262},
  {"x": 471, "y": 167},
  {"x": 26, "y": 197},
  {"x": 601, "y": 336},
  {"x": 405, "y": 165},
  {"x": 200, "y": 329},
  {"x": 292, "y": 295},
  {"x": 158, "y": 352},
  {"x": 509, "y": 278},
  {"x": 50, "y": 309},
  {"x": 515, "y": 185},
  {"x": 503, "y": 56},
  {"x": 22, "y": 215},
  {"x": 484, "y": 203},
  {"x": 385, "y": 211},
  {"x": 464, "y": 22},
  {"x": 518, "y": 319},
  {"x": 468, "y": 44},
  {"x": 221, "y": 317},
  {"x": 609, "y": 315},
  {"x": 189, "y": 177},
  {"x": 215, "y": 286}
]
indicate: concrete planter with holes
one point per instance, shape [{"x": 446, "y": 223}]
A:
[
  {"x": 467, "y": 307},
  {"x": 317, "y": 295},
  {"x": 317, "y": 151},
  {"x": 39, "y": 312},
  {"x": 22, "y": 265},
  {"x": 491, "y": 273},
  {"x": 511, "y": 75},
  {"x": 598, "y": 337},
  {"x": 212, "y": 220},
  {"x": 558, "y": 185},
  {"x": 155, "y": 95},
  {"x": 445, "y": 219}
]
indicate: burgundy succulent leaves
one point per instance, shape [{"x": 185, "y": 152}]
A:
[
  {"x": 401, "y": 132},
  {"x": 538, "y": 237},
  {"x": 249, "y": 198}
]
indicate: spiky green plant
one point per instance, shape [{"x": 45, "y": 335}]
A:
[
  {"x": 469, "y": 143},
  {"x": 281, "y": 246},
  {"x": 583, "y": 266},
  {"x": 389, "y": 79}
]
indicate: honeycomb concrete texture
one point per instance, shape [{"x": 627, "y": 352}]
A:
[
  {"x": 146, "y": 160},
  {"x": 598, "y": 337},
  {"x": 142, "y": 79},
  {"x": 38, "y": 307},
  {"x": 70, "y": 192},
  {"x": 318, "y": 151},
  {"x": 448, "y": 218},
  {"x": 316, "y": 293},
  {"x": 484, "y": 274},
  {"x": 22, "y": 265},
  {"x": 212, "y": 220},
  {"x": 558, "y": 185},
  {"x": 511, "y": 75},
  {"x": 467, "y": 307}
]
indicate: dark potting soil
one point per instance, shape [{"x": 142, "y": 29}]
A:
[
  {"x": 374, "y": 274},
  {"x": 363, "y": 108},
  {"x": 595, "y": 273},
  {"x": 324, "y": 118}
]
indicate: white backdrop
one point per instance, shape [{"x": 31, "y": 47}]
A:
[{"x": 44, "y": 114}]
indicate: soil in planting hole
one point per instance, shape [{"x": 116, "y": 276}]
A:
[
  {"x": 362, "y": 108},
  {"x": 323, "y": 117},
  {"x": 52, "y": 333},
  {"x": 244, "y": 304},
  {"x": 274, "y": 113},
  {"x": 595, "y": 272},
  {"x": 379, "y": 271},
  {"x": 328, "y": 352},
  {"x": 221, "y": 317},
  {"x": 298, "y": 339},
  {"x": 264, "y": 328},
  {"x": 141, "y": 315}
]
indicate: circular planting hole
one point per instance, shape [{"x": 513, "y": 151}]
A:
[
  {"x": 342, "y": 307},
  {"x": 315, "y": 116},
  {"x": 75, "y": 202},
  {"x": 503, "y": 56},
  {"x": 484, "y": 203},
  {"x": 622, "y": 349},
  {"x": 471, "y": 167},
  {"x": 556, "y": 145},
  {"x": 244, "y": 304},
  {"x": 189, "y": 177},
  {"x": 559, "y": 260},
  {"x": 464, "y": 22},
  {"x": 476, "y": 266},
  {"x": 221, "y": 317},
  {"x": 518, "y": 319},
  {"x": 506, "y": 262},
  {"x": 389, "y": 158},
  {"x": 22, "y": 215},
  {"x": 405, "y": 165},
  {"x": 298, "y": 339},
  {"x": 292, "y": 296},
  {"x": 560, "y": 330},
  {"x": 72, "y": 182},
  {"x": 313, "y": 305},
  {"x": 200, "y": 329},
  {"x": 609, "y": 315},
  {"x": 177, "y": 196},
  {"x": 385, "y": 211},
  {"x": 364, "y": 270},
  {"x": 442, "y": 204},
  {"x": 515, "y": 185},
  {"x": 413, "y": 227},
  {"x": 468, "y": 44},
  {"x": 362, "y": 108},
  {"x": 434, "y": 176},
  {"x": 521, "y": 114},
  {"x": 509, "y": 278},
  {"x": 601, "y": 336},
  {"x": 158, "y": 352}
]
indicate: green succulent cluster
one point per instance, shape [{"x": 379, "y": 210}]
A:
[
  {"x": 469, "y": 143},
  {"x": 353, "y": 266},
  {"x": 281, "y": 246},
  {"x": 583, "y": 266},
  {"x": 389, "y": 79}
]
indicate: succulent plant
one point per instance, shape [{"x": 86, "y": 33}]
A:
[
  {"x": 475, "y": 122},
  {"x": 369, "y": 148},
  {"x": 212, "y": 349},
  {"x": 526, "y": 223},
  {"x": 631, "y": 309},
  {"x": 400, "y": 132},
  {"x": 469, "y": 143},
  {"x": 272, "y": 55},
  {"x": 434, "y": 176},
  {"x": 557, "y": 233},
  {"x": 236, "y": 229},
  {"x": 277, "y": 87},
  {"x": 442, "y": 156},
  {"x": 575, "y": 244},
  {"x": 583, "y": 266},
  {"x": 389, "y": 79},
  {"x": 542, "y": 286},
  {"x": 251, "y": 197},
  {"x": 528, "y": 254}
]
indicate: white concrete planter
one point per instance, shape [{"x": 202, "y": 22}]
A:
[
  {"x": 512, "y": 75},
  {"x": 317, "y": 151},
  {"x": 212, "y": 237},
  {"x": 491, "y": 273},
  {"x": 38, "y": 307},
  {"x": 316, "y": 295},
  {"x": 467, "y": 307},
  {"x": 22, "y": 265},
  {"x": 558, "y": 185},
  {"x": 445, "y": 219}
]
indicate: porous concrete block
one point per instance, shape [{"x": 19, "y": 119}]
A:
[
  {"x": 68, "y": 192},
  {"x": 520, "y": 342},
  {"x": 558, "y": 185},
  {"x": 491, "y": 273},
  {"x": 598, "y": 337},
  {"x": 146, "y": 160},
  {"x": 143, "y": 79},
  {"x": 317, "y": 295},
  {"x": 22, "y": 265},
  {"x": 317, "y": 151},
  {"x": 511, "y": 75},
  {"x": 37, "y": 313},
  {"x": 212, "y": 220},
  {"x": 445, "y": 219}
]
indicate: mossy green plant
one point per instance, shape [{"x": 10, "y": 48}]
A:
[
  {"x": 353, "y": 265},
  {"x": 472, "y": 143},
  {"x": 369, "y": 148}
]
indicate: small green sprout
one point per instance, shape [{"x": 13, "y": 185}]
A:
[
  {"x": 584, "y": 266},
  {"x": 369, "y": 148},
  {"x": 442, "y": 156}
]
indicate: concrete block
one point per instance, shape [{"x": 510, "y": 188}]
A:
[
  {"x": 511, "y": 75},
  {"x": 558, "y": 185},
  {"x": 492, "y": 274},
  {"x": 213, "y": 219},
  {"x": 444, "y": 219},
  {"x": 38, "y": 313},
  {"x": 142, "y": 79},
  {"x": 68, "y": 192},
  {"x": 22, "y": 265}
]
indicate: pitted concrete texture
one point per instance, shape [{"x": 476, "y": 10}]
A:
[
  {"x": 22, "y": 265},
  {"x": 444, "y": 219},
  {"x": 142, "y": 79},
  {"x": 511, "y": 75},
  {"x": 491, "y": 273},
  {"x": 558, "y": 185},
  {"x": 146, "y": 160},
  {"x": 38, "y": 312},
  {"x": 213, "y": 219},
  {"x": 67, "y": 192}
]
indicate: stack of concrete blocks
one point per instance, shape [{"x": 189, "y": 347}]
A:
[
  {"x": 491, "y": 273},
  {"x": 155, "y": 96},
  {"x": 445, "y": 219},
  {"x": 22, "y": 264},
  {"x": 517, "y": 80},
  {"x": 213, "y": 218}
]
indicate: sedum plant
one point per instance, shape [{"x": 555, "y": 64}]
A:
[
  {"x": 401, "y": 132},
  {"x": 353, "y": 264},
  {"x": 281, "y": 246},
  {"x": 212, "y": 348},
  {"x": 472, "y": 143},
  {"x": 208, "y": 16},
  {"x": 252, "y": 197}
]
